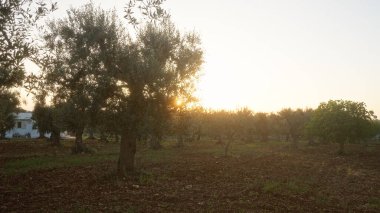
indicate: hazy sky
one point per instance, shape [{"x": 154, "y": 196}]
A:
[{"x": 268, "y": 55}]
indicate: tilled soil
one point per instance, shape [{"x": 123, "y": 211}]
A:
[{"x": 312, "y": 179}]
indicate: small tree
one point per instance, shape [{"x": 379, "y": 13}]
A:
[
  {"x": 276, "y": 126},
  {"x": 261, "y": 125},
  {"x": 8, "y": 106},
  {"x": 198, "y": 118},
  {"x": 49, "y": 119},
  {"x": 246, "y": 123},
  {"x": 224, "y": 126},
  {"x": 41, "y": 115},
  {"x": 55, "y": 123},
  {"x": 376, "y": 130},
  {"x": 341, "y": 121},
  {"x": 295, "y": 121},
  {"x": 183, "y": 122}
]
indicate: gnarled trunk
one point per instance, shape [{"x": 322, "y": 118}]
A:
[
  {"x": 41, "y": 135},
  {"x": 2, "y": 135},
  {"x": 91, "y": 133},
  {"x": 126, "y": 163},
  {"x": 55, "y": 136},
  {"x": 79, "y": 146}
]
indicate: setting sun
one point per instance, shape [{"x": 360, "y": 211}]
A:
[{"x": 178, "y": 102}]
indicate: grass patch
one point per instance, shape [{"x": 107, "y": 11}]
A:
[
  {"x": 272, "y": 187},
  {"x": 47, "y": 157},
  {"x": 374, "y": 202},
  {"x": 297, "y": 188},
  {"x": 49, "y": 162},
  {"x": 237, "y": 148},
  {"x": 158, "y": 156},
  {"x": 146, "y": 178},
  {"x": 322, "y": 199}
]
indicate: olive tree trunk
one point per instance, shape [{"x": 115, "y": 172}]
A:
[
  {"x": 55, "y": 136},
  {"x": 91, "y": 133},
  {"x": 126, "y": 163},
  {"x": 2, "y": 135},
  {"x": 79, "y": 146},
  {"x": 41, "y": 135}
]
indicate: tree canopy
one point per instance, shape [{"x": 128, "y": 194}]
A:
[
  {"x": 8, "y": 106},
  {"x": 78, "y": 64},
  {"x": 17, "y": 19},
  {"x": 342, "y": 121}
]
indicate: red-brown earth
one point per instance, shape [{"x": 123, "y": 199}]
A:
[{"x": 257, "y": 177}]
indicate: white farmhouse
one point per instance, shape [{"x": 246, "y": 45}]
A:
[{"x": 24, "y": 126}]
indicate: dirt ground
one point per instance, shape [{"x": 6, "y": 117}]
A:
[{"x": 197, "y": 178}]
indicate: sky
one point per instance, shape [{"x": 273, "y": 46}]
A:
[{"x": 268, "y": 55}]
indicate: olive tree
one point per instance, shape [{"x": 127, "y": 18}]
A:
[
  {"x": 276, "y": 126},
  {"x": 246, "y": 124},
  {"x": 8, "y": 106},
  {"x": 78, "y": 63},
  {"x": 161, "y": 61},
  {"x": 342, "y": 121},
  {"x": 49, "y": 119},
  {"x": 41, "y": 115},
  {"x": 295, "y": 123},
  {"x": 261, "y": 125}
]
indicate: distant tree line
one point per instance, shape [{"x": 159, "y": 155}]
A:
[{"x": 335, "y": 121}]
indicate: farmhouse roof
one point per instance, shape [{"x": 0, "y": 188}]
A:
[{"x": 24, "y": 116}]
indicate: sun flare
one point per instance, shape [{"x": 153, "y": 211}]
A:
[{"x": 178, "y": 102}]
